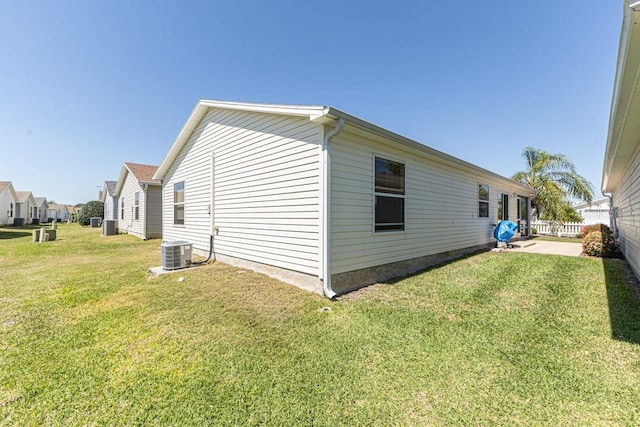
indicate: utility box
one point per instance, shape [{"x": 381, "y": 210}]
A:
[
  {"x": 51, "y": 235},
  {"x": 109, "y": 227},
  {"x": 94, "y": 222},
  {"x": 176, "y": 254}
]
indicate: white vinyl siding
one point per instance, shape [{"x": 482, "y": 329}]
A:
[
  {"x": 128, "y": 224},
  {"x": 626, "y": 204},
  {"x": 7, "y": 207},
  {"x": 111, "y": 207},
  {"x": 151, "y": 208},
  {"x": 266, "y": 189},
  {"x": 441, "y": 206}
]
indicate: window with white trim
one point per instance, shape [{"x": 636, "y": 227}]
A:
[
  {"x": 178, "y": 203},
  {"x": 10, "y": 210},
  {"x": 121, "y": 207},
  {"x": 389, "y": 194},
  {"x": 136, "y": 204},
  {"x": 483, "y": 201}
]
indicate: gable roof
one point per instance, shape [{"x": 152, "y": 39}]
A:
[
  {"x": 23, "y": 196},
  {"x": 111, "y": 186},
  {"x": 4, "y": 185},
  {"x": 324, "y": 115},
  {"x": 56, "y": 206},
  {"x": 142, "y": 173},
  {"x": 40, "y": 200},
  {"x": 623, "y": 138}
]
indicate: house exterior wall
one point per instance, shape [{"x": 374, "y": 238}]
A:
[
  {"x": 595, "y": 214},
  {"x": 6, "y": 199},
  {"x": 110, "y": 207},
  {"x": 263, "y": 171},
  {"x": 23, "y": 210},
  {"x": 626, "y": 204},
  {"x": 441, "y": 207},
  {"x": 153, "y": 211},
  {"x": 129, "y": 224}
]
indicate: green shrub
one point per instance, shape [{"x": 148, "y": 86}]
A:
[
  {"x": 534, "y": 230},
  {"x": 90, "y": 210},
  {"x": 594, "y": 227},
  {"x": 600, "y": 244}
]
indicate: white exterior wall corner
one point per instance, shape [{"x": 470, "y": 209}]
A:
[
  {"x": 262, "y": 191},
  {"x": 129, "y": 224},
  {"x": 441, "y": 206},
  {"x": 6, "y": 199}
]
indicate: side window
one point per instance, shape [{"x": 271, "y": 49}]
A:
[
  {"x": 136, "y": 204},
  {"x": 178, "y": 203},
  {"x": 483, "y": 201},
  {"x": 122, "y": 208},
  {"x": 389, "y": 194}
]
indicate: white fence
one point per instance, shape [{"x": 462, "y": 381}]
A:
[{"x": 567, "y": 229}]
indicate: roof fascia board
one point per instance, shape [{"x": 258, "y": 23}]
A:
[
  {"x": 123, "y": 174},
  {"x": 332, "y": 114},
  {"x": 626, "y": 79}
]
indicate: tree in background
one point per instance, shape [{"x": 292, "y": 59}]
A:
[
  {"x": 91, "y": 209},
  {"x": 569, "y": 214},
  {"x": 555, "y": 180}
]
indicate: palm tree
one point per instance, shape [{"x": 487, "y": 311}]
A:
[{"x": 554, "y": 179}]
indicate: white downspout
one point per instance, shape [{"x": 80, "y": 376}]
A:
[
  {"x": 144, "y": 214},
  {"x": 326, "y": 219}
]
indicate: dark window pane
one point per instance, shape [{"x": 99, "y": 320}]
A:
[
  {"x": 389, "y": 176},
  {"x": 389, "y": 213},
  {"x": 178, "y": 214},
  {"x": 483, "y": 209}
]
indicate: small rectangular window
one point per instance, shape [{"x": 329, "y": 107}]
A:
[
  {"x": 178, "y": 203},
  {"x": 136, "y": 203},
  {"x": 483, "y": 201},
  {"x": 122, "y": 208},
  {"x": 389, "y": 195}
]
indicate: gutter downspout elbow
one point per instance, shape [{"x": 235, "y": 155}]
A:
[{"x": 326, "y": 247}]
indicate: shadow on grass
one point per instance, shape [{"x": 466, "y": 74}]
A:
[
  {"x": 5, "y": 235},
  {"x": 623, "y": 295}
]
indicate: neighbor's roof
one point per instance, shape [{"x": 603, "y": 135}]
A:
[
  {"x": 24, "y": 195},
  {"x": 57, "y": 206},
  {"x": 318, "y": 114},
  {"x": 594, "y": 203},
  {"x": 623, "y": 137},
  {"x": 142, "y": 173},
  {"x": 7, "y": 184},
  {"x": 111, "y": 187},
  {"x": 40, "y": 200}
]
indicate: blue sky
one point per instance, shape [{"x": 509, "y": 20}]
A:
[{"x": 87, "y": 85}]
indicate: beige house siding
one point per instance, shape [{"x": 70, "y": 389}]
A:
[
  {"x": 153, "y": 210},
  {"x": 255, "y": 176},
  {"x": 626, "y": 204},
  {"x": 441, "y": 206}
]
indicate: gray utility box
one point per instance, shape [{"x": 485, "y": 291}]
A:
[
  {"x": 109, "y": 227},
  {"x": 94, "y": 221},
  {"x": 176, "y": 254}
]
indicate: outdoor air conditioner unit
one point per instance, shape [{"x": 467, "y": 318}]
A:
[
  {"x": 176, "y": 254},
  {"x": 109, "y": 227}
]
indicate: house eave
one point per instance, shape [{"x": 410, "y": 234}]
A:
[{"x": 623, "y": 138}]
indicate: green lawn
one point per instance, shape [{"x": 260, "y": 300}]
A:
[{"x": 87, "y": 338}]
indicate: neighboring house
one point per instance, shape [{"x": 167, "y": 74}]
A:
[
  {"x": 8, "y": 201},
  {"x": 57, "y": 212},
  {"x": 110, "y": 200},
  {"x": 73, "y": 213},
  {"x": 24, "y": 208},
  {"x": 322, "y": 199},
  {"x": 40, "y": 209},
  {"x": 139, "y": 204},
  {"x": 596, "y": 212},
  {"x": 621, "y": 169}
]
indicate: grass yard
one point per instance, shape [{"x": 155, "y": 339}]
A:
[{"x": 87, "y": 338}]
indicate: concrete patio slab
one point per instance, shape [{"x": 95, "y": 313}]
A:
[{"x": 550, "y": 248}]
